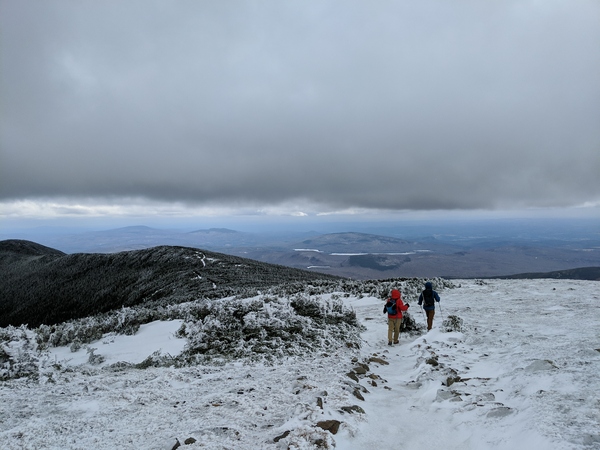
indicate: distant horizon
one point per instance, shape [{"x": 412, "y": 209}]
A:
[
  {"x": 427, "y": 222},
  {"x": 253, "y": 223}
]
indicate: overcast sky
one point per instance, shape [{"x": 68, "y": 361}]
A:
[{"x": 302, "y": 107}]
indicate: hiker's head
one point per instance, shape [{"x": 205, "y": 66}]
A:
[
  {"x": 428, "y": 285},
  {"x": 395, "y": 294}
]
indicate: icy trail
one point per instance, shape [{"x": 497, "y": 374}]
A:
[{"x": 529, "y": 356}]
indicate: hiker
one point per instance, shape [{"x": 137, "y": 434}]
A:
[
  {"x": 428, "y": 298},
  {"x": 394, "y": 308}
]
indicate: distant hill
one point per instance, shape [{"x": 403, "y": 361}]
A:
[
  {"x": 41, "y": 285},
  {"x": 583, "y": 273},
  {"x": 357, "y": 242}
]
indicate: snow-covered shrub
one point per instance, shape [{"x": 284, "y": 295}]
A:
[
  {"x": 284, "y": 320},
  {"x": 269, "y": 327},
  {"x": 93, "y": 358},
  {"x": 18, "y": 355},
  {"x": 411, "y": 326},
  {"x": 452, "y": 323},
  {"x": 156, "y": 359}
]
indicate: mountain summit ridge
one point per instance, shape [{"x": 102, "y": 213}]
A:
[{"x": 42, "y": 285}]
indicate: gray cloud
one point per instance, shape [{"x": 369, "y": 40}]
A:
[{"x": 400, "y": 105}]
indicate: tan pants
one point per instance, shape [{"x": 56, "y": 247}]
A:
[
  {"x": 430, "y": 315},
  {"x": 394, "y": 329}
]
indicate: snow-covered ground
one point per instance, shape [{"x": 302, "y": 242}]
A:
[
  {"x": 528, "y": 360},
  {"x": 523, "y": 374}
]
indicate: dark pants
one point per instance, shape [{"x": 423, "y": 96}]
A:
[{"x": 430, "y": 315}]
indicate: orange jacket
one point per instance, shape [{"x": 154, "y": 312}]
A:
[{"x": 400, "y": 306}]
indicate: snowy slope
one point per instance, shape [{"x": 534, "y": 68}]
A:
[
  {"x": 529, "y": 358},
  {"x": 524, "y": 369}
]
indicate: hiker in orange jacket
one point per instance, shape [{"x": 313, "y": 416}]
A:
[{"x": 394, "y": 308}]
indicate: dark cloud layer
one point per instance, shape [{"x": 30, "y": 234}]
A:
[{"x": 400, "y": 105}]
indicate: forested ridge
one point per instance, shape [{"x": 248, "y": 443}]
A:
[{"x": 41, "y": 285}]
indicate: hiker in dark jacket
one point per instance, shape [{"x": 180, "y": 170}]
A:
[
  {"x": 428, "y": 298},
  {"x": 394, "y": 308}
]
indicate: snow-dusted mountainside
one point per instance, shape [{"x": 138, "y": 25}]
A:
[
  {"x": 40, "y": 285},
  {"x": 513, "y": 366}
]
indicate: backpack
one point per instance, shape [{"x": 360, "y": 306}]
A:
[
  {"x": 391, "y": 309},
  {"x": 428, "y": 299}
]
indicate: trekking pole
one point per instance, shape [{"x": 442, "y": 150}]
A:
[{"x": 441, "y": 312}]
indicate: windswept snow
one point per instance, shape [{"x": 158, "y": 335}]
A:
[
  {"x": 157, "y": 336},
  {"x": 521, "y": 373}
]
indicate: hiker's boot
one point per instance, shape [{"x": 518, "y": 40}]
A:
[
  {"x": 389, "y": 342},
  {"x": 396, "y": 342}
]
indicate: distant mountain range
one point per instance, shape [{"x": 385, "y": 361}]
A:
[
  {"x": 582, "y": 273},
  {"x": 448, "y": 250},
  {"x": 43, "y": 285}
]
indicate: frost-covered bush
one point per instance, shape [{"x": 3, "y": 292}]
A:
[
  {"x": 270, "y": 327},
  {"x": 156, "y": 359},
  {"x": 18, "y": 355},
  {"x": 94, "y": 359},
  {"x": 452, "y": 323},
  {"x": 283, "y": 320}
]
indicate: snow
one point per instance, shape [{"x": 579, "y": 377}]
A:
[
  {"x": 525, "y": 365},
  {"x": 157, "y": 336}
]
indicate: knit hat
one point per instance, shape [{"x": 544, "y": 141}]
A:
[
  {"x": 395, "y": 294},
  {"x": 428, "y": 285}
]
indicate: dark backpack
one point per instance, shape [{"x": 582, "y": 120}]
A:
[{"x": 428, "y": 299}]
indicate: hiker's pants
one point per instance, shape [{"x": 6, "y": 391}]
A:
[
  {"x": 430, "y": 315},
  {"x": 394, "y": 329}
]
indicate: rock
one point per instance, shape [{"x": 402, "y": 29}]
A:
[
  {"x": 330, "y": 425},
  {"x": 352, "y": 409},
  {"x": 378, "y": 361},
  {"x": 541, "y": 364},
  {"x": 189, "y": 441},
  {"x": 282, "y": 436},
  {"x": 358, "y": 395},
  {"x": 502, "y": 411},
  {"x": 487, "y": 397},
  {"x": 361, "y": 369},
  {"x": 353, "y": 376},
  {"x": 451, "y": 380},
  {"x": 177, "y": 445},
  {"x": 432, "y": 361},
  {"x": 446, "y": 395},
  {"x": 320, "y": 402}
]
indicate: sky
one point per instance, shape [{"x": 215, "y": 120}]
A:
[{"x": 297, "y": 108}]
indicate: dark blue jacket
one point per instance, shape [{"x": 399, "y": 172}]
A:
[{"x": 436, "y": 297}]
